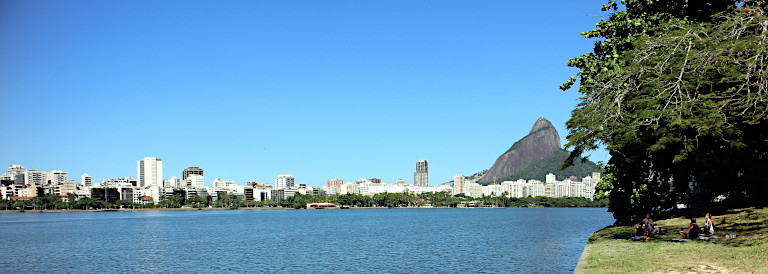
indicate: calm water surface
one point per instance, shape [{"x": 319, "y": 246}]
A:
[{"x": 540, "y": 240}]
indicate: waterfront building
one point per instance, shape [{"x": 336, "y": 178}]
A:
[
  {"x": 550, "y": 178},
  {"x": 138, "y": 194},
  {"x": 64, "y": 188},
  {"x": 429, "y": 189},
  {"x": 284, "y": 181},
  {"x": 15, "y": 173},
  {"x": 576, "y": 188},
  {"x": 335, "y": 182},
  {"x": 371, "y": 188},
  {"x": 105, "y": 193},
  {"x": 29, "y": 191},
  {"x": 562, "y": 189},
  {"x": 35, "y": 177},
  {"x": 473, "y": 189},
  {"x": 128, "y": 181},
  {"x": 190, "y": 171},
  {"x": 280, "y": 194},
  {"x": 515, "y": 189},
  {"x": 550, "y": 185},
  {"x": 421, "y": 176},
  {"x": 86, "y": 180},
  {"x": 588, "y": 187},
  {"x": 262, "y": 192},
  {"x": 6, "y": 179},
  {"x": 219, "y": 183},
  {"x": 332, "y": 190},
  {"x": 348, "y": 188},
  {"x": 493, "y": 190},
  {"x": 150, "y": 172},
  {"x": 174, "y": 182},
  {"x": 535, "y": 188},
  {"x": 57, "y": 176},
  {"x": 194, "y": 181},
  {"x": 458, "y": 184}
]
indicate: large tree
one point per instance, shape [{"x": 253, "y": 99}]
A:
[{"x": 677, "y": 92}]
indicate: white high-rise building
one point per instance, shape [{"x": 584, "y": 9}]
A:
[
  {"x": 458, "y": 184},
  {"x": 35, "y": 177},
  {"x": 13, "y": 172},
  {"x": 421, "y": 176},
  {"x": 191, "y": 170},
  {"x": 57, "y": 176},
  {"x": 535, "y": 188},
  {"x": 174, "y": 182},
  {"x": 86, "y": 179},
  {"x": 150, "y": 172},
  {"x": 194, "y": 181},
  {"x": 550, "y": 178},
  {"x": 284, "y": 181}
]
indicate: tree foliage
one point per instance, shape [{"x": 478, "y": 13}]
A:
[{"x": 677, "y": 92}]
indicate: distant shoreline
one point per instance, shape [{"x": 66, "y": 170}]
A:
[{"x": 248, "y": 208}]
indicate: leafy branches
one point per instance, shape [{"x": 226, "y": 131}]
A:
[{"x": 677, "y": 93}]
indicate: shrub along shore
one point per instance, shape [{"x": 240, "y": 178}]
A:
[{"x": 613, "y": 250}]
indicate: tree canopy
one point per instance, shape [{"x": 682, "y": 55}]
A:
[{"x": 677, "y": 92}]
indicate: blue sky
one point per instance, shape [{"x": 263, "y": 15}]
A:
[{"x": 247, "y": 90}]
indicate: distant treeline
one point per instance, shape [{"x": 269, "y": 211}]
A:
[{"x": 392, "y": 200}]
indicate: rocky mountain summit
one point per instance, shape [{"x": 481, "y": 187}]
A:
[
  {"x": 532, "y": 157},
  {"x": 540, "y": 143}
]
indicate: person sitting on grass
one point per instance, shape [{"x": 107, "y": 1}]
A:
[
  {"x": 692, "y": 232},
  {"x": 649, "y": 227},
  {"x": 639, "y": 230},
  {"x": 709, "y": 227}
]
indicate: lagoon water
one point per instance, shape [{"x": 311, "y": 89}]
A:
[{"x": 541, "y": 240}]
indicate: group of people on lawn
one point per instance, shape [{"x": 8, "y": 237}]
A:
[
  {"x": 646, "y": 228},
  {"x": 694, "y": 230}
]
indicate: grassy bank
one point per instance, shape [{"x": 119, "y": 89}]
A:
[{"x": 611, "y": 251}]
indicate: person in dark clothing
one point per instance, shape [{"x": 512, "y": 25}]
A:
[
  {"x": 692, "y": 232},
  {"x": 639, "y": 229}
]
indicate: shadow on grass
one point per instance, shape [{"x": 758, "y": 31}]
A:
[{"x": 750, "y": 225}]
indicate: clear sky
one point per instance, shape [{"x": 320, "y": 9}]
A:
[{"x": 247, "y": 90}]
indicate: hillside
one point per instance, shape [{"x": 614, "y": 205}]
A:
[
  {"x": 541, "y": 168},
  {"x": 541, "y": 143},
  {"x": 533, "y": 157}
]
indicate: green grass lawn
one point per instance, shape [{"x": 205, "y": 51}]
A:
[{"x": 612, "y": 252}]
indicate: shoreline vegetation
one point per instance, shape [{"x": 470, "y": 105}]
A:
[
  {"x": 299, "y": 201},
  {"x": 249, "y": 208},
  {"x": 612, "y": 250}
]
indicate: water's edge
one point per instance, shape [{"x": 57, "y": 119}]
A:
[{"x": 582, "y": 264}]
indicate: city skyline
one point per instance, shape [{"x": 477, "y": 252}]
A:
[{"x": 247, "y": 91}]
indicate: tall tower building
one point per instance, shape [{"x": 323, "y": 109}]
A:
[
  {"x": 421, "y": 176},
  {"x": 85, "y": 179},
  {"x": 458, "y": 184},
  {"x": 284, "y": 181},
  {"x": 191, "y": 170},
  {"x": 150, "y": 172}
]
